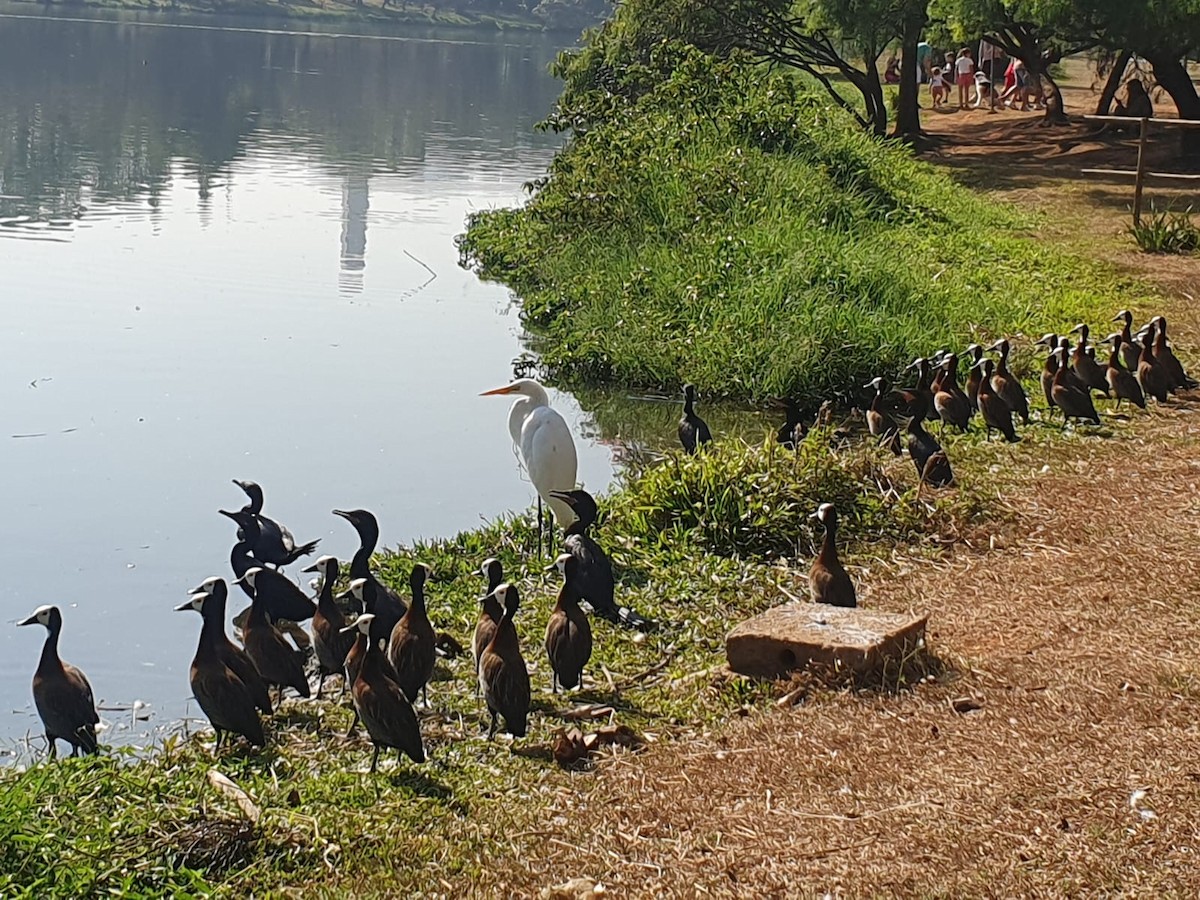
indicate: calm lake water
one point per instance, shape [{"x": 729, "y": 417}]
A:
[{"x": 228, "y": 253}]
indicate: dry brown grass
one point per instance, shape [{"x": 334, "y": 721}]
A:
[{"x": 1077, "y": 635}]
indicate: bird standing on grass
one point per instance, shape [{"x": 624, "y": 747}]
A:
[
  {"x": 1074, "y": 400},
  {"x": 1008, "y": 386},
  {"x": 693, "y": 430},
  {"x": 61, "y": 692},
  {"x": 411, "y": 646},
  {"x": 503, "y": 676},
  {"x": 996, "y": 412},
  {"x": 1121, "y": 381},
  {"x": 388, "y": 605},
  {"x": 329, "y": 640},
  {"x": 828, "y": 580},
  {"x": 544, "y": 444},
  {"x": 276, "y": 661},
  {"x": 490, "y": 612},
  {"x": 568, "y": 632},
  {"x": 379, "y": 702}
]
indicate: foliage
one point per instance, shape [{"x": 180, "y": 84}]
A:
[
  {"x": 1167, "y": 232},
  {"x": 726, "y": 230}
]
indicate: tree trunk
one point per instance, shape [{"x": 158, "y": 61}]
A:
[
  {"x": 1174, "y": 79},
  {"x": 872, "y": 91},
  {"x": 908, "y": 111},
  {"x": 1113, "y": 83}
]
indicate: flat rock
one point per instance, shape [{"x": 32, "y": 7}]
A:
[{"x": 800, "y": 635}]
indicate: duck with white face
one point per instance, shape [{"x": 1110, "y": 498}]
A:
[
  {"x": 827, "y": 579},
  {"x": 61, "y": 692}
]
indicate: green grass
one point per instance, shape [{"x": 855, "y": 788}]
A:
[
  {"x": 1165, "y": 231},
  {"x": 699, "y": 543},
  {"x": 726, "y": 230}
]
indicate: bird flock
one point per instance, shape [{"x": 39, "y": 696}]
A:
[{"x": 384, "y": 645}]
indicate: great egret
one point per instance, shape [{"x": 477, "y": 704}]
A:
[{"x": 547, "y": 450}]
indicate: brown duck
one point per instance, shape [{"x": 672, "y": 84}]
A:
[
  {"x": 1131, "y": 350},
  {"x": 1074, "y": 401},
  {"x": 330, "y": 640},
  {"x": 1007, "y": 385},
  {"x": 1121, "y": 381},
  {"x": 1087, "y": 370},
  {"x": 880, "y": 422},
  {"x": 490, "y": 612},
  {"x": 827, "y": 579},
  {"x": 61, "y": 692},
  {"x": 272, "y": 655},
  {"x": 412, "y": 649},
  {"x": 995, "y": 410},
  {"x": 975, "y": 352},
  {"x": 1177, "y": 378},
  {"x": 503, "y": 677},
  {"x": 233, "y": 656},
  {"x": 227, "y": 700},
  {"x": 379, "y": 702},
  {"x": 1150, "y": 374},
  {"x": 931, "y": 462},
  {"x": 952, "y": 405},
  {"x": 568, "y": 632}
]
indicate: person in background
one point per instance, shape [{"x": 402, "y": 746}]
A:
[
  {"x": 964, "y": 76},
  {"x": 891, "y": 74},
  {"x": 989, "y": 59},
  {"x": 924, "y": 61},
  {"x": 939, "y": 90}
]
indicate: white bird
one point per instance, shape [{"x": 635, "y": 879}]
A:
[{"x": 545, "y": 445}]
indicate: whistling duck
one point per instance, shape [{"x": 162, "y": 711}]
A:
[
  {"x": 918, "y": 400},
  {"x": 1050, "y": 342},
  {"x": 1007, "y": 385},
  {"x": 994, "y": 408},
  {"x": 503, "y": 677},
  {"x": 329, "y": 640},
  {"x": 568, "y": 632},
  {"x": 1087, "y": 370},
  {"x": 282, "y": 598},
  {"x": 1177, "y": 378},
  {"x": 827, "y": 579},
  {"x": 596, "y": 583},
  {"x": 693, "y": 430},
  {"x": 879, "y": 419},
  {"x": 389, "y": 606},
  {"x": 1121, "y": 381},
  {"x": 1074, "y": 401},
  {"x": 975, "y": 352},
  {"x": 1150, "y": 374},
  {"x": 1131, "y": 350},
  {"x": 490, "y": 612},
  {"x": 794, "y": 428},
  {"x": 276, "y": 661},
  {"x": 379, "y": 702},
  {"x": 411, "y": 646},
  {"x": 930, "y": 461},
  {"x": 363, "y": 593},
  {"x": 952, "y": 405},
  {"x": 225, "y": 697},
  {"x": 274, "y": 544},
  {"x": 61, "y": 692},
  {"x": 230, "y": 654}
]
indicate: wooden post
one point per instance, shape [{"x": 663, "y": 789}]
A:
[{"x": 1140, "y": 177}]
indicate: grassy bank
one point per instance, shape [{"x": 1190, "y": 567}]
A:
[
  {"x": 695, "y": 550},
  {"x": 727, "y": 230}
]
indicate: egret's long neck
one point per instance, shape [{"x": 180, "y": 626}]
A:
[{"x": 521, "y": 409}]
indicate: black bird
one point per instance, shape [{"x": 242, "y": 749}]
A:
[
  {"x": 276, "y": 661},
  {"x": 227, "y": 700},
  {"x": 212, "y": 605},
  {"x": 275, "y": 544},
  {"x": 596, "y": 583},
  {"x": 1075, "y": 402},
  {"x": 568, "y": 632},
  {"x": 363, "y": 593},
  {"x": 389, "y": 606},
  {"x": 827, "y": 579},
  {"x": 880, "y": 421},
  {"x": 61, "y": 692},
  {"x": 378, "y": 700},
  {"x": 693, "y": 430},
  {"x": 329, "y": 640},
  {"x": 412, "y": 645},
  {"x": 930, "y": 461},
  {"x": 281, "y": 597},
  {"x": 1121, "y": 381},
  {"x": 993, "y": 407},
  {"x": 1007, "y": 385},
  {"x": 503, "y": 676},
  {"x": 490, "y": 612},
  {"x": 794, "y": 428}
]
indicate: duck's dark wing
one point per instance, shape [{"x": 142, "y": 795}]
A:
[{"x": 596, "y": 584}]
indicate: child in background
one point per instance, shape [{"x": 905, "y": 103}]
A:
[
  {"x": 938, "y": 89},
  {"x": 964, "y": 69}
]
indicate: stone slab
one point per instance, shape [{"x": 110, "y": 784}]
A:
[{"x": 799, "y": 635}]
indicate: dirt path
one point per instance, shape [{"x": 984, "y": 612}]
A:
[{"x": 1079, "y": 637}]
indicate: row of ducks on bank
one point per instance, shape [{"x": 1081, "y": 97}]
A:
[{"x": 386, "y": 653}]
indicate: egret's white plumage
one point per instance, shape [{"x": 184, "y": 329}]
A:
[{"x": 544, "y": 442}]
